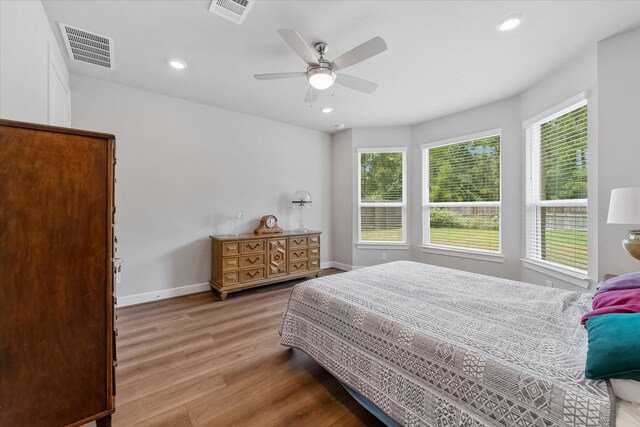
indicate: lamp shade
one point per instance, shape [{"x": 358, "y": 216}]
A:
[
  {"x": 302, "y": 196},
  {"x": 624, "y": 206}
]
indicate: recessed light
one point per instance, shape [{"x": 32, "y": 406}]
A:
[
  {"x": 509, "y": 23},
  {"x": 178, "y": 65},
  {"x": 327, "y": 110},
  {"x": 340, "y": 126}
]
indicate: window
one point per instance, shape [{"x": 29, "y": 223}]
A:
[
  {"x": 557, "y": 189},
  {"x": 382, "y": 195},
  {"x": 461, "y": 193}
]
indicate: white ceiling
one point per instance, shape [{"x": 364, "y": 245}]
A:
[{"x": 442, "y": 57}]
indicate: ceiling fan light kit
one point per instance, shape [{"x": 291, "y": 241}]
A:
[{"x": 322, "y": 74}]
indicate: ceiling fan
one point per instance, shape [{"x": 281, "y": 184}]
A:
[{"x": 321, "y": 73}]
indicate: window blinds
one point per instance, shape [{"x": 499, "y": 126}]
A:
[
  {"x": 557, "y": 189},
  {"x": 382, "y": 195},
  {"x": 462, "y": 194}
]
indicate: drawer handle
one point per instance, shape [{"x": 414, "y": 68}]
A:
[
  {"x": 298, "y": 266},
  {"x": 232, "y": 262},
  {"x": 298, "y": 254},
  {"x": 253, "y": 247},
  {"x": 251, "y": 276},
  {"x": 254, "y": 261},
  {"x": 297, "y": 242},
  {"x": 231, "y": 276}
]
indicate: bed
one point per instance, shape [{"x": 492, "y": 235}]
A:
[{"x": 428, "y": 345}]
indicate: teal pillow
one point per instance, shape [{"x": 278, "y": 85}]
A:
[{"x": 614, "y": 346}]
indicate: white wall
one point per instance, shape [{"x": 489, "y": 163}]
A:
[
  {"x": 576, "y": 76},
  {"x": 506, "y": 116},
  {"x": 342, "y": 223},
  {"x": 619, "y": 138},
  {"x": 27, "y": 45},
  {"x": 181, "y": 165}
]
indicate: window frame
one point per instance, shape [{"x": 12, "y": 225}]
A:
[
  {"x": 458, "y": 251},
  {"x": 381, "y": 244},
  {"x": 533, "y": 200}
]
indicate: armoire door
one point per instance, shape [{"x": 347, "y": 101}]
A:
[{"x": 56, "y": 309}]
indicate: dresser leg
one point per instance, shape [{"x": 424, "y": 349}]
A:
[
  {"x": 104, "y": 421},
  {"x": 223, "y": 295}
]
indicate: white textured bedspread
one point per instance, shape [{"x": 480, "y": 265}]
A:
[{"x": 440, "y": 347}]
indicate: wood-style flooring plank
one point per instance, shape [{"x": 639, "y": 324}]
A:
[
  {"x": 138, "y": 371},
  {"x": 176, "y": 417},
  {"x": 198, "y": 361},
  {"x": 156, "y": 402}
]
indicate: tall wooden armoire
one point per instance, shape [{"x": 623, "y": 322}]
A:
[{"x": 57, "y": 340}]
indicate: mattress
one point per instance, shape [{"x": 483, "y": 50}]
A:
[{"x": 434, "y": 346}]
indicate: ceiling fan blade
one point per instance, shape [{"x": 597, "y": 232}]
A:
[
  {"x": 312, "y": 95},
  {"x": 360, "y": 53},
  {"x": 295, "y": 42},
  {"x": 275, "y": 76},
  {"x": 356, "y": 83}
]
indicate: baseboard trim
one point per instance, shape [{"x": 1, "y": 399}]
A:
[
  {"x": 341, "y": 266},
  {"x": 128, "y": 300},
  {"x": 125, "y": 301}
]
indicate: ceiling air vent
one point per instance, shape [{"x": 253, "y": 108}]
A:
[
  {"x": 233, "y": 10},
  {"x": 88, "y": 47}
]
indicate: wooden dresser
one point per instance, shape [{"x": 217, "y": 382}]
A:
[
  {"x": 249, "y": 260},
  {"x": 57, "y": 340}
]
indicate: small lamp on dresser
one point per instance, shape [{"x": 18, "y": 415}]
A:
[
  {"x": 624, "y": 208},
  {"x": 302, "y": 201}
]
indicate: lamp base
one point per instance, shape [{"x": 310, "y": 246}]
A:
[{"x": 632, "y": 244}]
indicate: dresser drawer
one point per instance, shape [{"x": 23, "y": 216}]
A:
[
  {"x": 314, "y": 240},
  {"x": 313, "y": 264},
  {"x": 313, "y": 252},
  {"x": 249, "y": 261},
  {"x": 297, "y": 266},
  {"x": 252, "y": 246},
  {"x": 230, "y": 248},
  {"x": 296, "y": 254},
  {"x": 230, "y": 277},
  {"x": 231, "y": 263},
  {"x": 252, "y": 275},
  {"x": 298, "y": 242}
]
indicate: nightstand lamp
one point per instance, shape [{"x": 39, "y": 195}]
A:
[{"x": 624, "y": 208}]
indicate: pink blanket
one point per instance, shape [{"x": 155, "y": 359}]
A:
[{"x": 621, "y": 301}]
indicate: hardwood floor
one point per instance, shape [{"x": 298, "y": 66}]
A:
[{"x": 199, "y": 361}]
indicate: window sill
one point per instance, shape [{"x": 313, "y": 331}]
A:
[
  {"x": 463, "y": 253},
  {"x": 566, "y": 275},
  {"x": 382, "y": 245}
]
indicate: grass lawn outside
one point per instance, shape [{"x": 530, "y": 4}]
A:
[
  {"x": 488, "y": 240},
  {"x": 388, "y": 235},
  {"x": 562, "y": 246}
]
